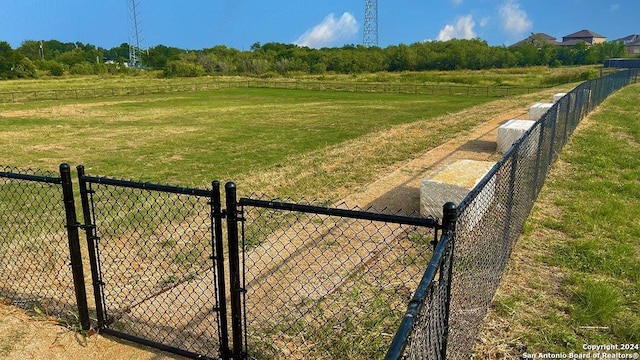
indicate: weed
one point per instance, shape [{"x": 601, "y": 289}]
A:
[{"x": 594, "y": 303}]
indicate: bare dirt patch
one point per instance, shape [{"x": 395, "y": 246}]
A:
[{"x": 60, "y": 110}]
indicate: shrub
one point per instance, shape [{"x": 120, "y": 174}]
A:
[{"x": 179, "y": 68}]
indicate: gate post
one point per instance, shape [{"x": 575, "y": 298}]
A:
[
  {"x": 449, "y": 216},
  {"x": 449, "y": 219},
  {"x": 74, "y": 247},
  {"x": 218, "y": 255},
  {"x": 234, "y": 269},
  {"x": 90, "y": 231}
]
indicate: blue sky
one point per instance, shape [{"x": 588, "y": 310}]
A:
[{"x": 198, "y": 24}]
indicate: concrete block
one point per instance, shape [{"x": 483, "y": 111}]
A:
[
  {"x": 538, "y": 109},
  {"x": 478, "y": 207},
  {"x": 558, "y": 96},
  {"x": 450, "y": 183},
  {"x": 510, "y": 132}
]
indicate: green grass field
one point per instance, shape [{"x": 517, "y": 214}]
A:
[
  {"x": 192, "y": 138},
  {"x": 574, "y": 278}
]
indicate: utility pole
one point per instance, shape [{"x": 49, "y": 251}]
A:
[
  {"x": 371, "y": 23},
  {"x": 135, "y": 34}
]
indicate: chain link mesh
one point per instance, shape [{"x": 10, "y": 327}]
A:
[
  {"x": 155, "y": 257},
  {"x": 492, "y": 217},
  {"x": 34, "y": 252},
  {"x": 429, "y": 334},
  {"x": 322, "y": 286}
]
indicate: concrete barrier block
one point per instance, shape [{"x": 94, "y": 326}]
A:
[
  {"x": 510, "y": 132},
  {"x": 450, "y": 183},
  {"x": 558, "y": 96},
  {"x": 538, "y": 109}
]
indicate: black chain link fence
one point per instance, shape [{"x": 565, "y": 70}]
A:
[
  {"x": 490, "y": 220},
  {"x": 154, "y": 264},
  {"x": 430, "y": 334},
  {"x": 317, "y": 282},
  {"x": 325, "y": 283},
  {"x": 35, "y": 271}
]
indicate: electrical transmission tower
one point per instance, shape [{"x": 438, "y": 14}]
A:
[
  {"x": 371, "y": 23},
  {"x": 135, "y": 34}
]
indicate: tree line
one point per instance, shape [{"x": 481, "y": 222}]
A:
[{"x": 55, "y": 58}]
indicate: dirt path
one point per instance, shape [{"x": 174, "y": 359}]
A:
[
  {"x": 22, "y": 337},
  {"x": 400, "y": 189}
]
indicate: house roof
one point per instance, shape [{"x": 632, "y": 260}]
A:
[
  {"x": 584, "y": 34},
  {"x": 630, "y": 40},
  {"x": 548, "y": 39}
]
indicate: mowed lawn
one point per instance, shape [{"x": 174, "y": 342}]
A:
[{"x": 190, "y": 139}]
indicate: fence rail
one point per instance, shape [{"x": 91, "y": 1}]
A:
[
  {"x": 305, "y": 279},
  {"x": 370, "y": 87}
]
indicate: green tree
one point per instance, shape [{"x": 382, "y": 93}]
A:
[
  {"x": 30, "y": 49},
  {"x": 13, "y": 64},
  {"x": 182, "y": 68}
]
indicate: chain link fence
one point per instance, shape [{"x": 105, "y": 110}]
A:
[
  {"x": 316, "y": 281},
  {"x": 327, "y": 282},
  {"x": 35, "y": 272},
  {"x": 490, "y": 220},
  {"x": 153, "y": 263}
]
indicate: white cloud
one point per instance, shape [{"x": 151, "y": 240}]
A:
[
  {"x": 330, "y": 31},
  {"x": 614, "y": 7},
  {"x": 457, "y": 2},
  {"x": 462, "y": 29},
  {"x": 514, "y": 19},
  {"x": 484, "y": 21}
]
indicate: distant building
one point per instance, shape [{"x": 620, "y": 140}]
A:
[
  {"x": 632, "y": 43},
  {"x": 587, "y": 36},
  {"x": 538, "y": 40}
]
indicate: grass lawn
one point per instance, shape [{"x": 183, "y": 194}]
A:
[
  {"x": 574, "y": 277},
  {"x": 192, "y": 138}
]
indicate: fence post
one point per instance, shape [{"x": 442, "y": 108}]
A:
[
  {"x": 74, "y": 247},
  {"x": 234, "y": 269},
  {"x": 90, "y": 231},
  {"x": 218, "y": 255},
  {"x": 449, "y": 216},
  {"x": 449, "y": 219}
]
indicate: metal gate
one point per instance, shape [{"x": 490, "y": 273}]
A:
[
  {"x": 327, "y": 282},
  {"x": 304, "y": 280},
  {"x": 157, "y": 264}
]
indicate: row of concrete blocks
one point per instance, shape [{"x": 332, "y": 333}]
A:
[
  {"x": 454, "y": 181},
  {"x": 513, "y": 129}
]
